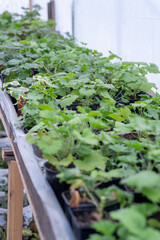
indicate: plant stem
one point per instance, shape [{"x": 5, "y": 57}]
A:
[{"x": 91, "y": 196}]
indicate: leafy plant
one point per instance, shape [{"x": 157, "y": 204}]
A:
[{"x": 91, "y": 116}]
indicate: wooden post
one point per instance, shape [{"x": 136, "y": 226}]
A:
[
  {"x": 15, "y": 198},
  {"x": 51, "y": 10},
  {"x": 7, "y": 154},
  {"x": 15, "y": 203},
  {"x": 30, "y": 5}
]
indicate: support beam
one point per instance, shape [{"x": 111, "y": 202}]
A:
[
  {"x": 30, "y": 5},
  {"x": 7, "y": 154},
  {"x": 51, "y": 10},
  {"x": 15, "y": 203}
]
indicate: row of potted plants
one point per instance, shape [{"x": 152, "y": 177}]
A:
[{"x": 96, "y": 122}]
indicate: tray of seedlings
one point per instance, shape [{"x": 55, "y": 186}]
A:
[{"x": 96, "y": 122}]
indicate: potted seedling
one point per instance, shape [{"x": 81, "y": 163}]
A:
[
  {"x": 65, "y": 145},
  {"x": 82, "y": 219},
  {"x": 85, "y": 203}
]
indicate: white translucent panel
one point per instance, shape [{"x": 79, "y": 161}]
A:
[
  {"x": 140, "y": 37},
  {"x": 96, "y": 23},
  {"x": 15, "y": 6},
  {"x": 129, "y": 28},
  {"x": 44, "y": 6},
  {"x": 64, "y": 16}
]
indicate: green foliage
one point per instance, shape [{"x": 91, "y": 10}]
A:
[
  {"x": 92, "y": 161},
  {"x": 93, "y": 119},
  {"x": 131, "y": 219},
  {"x": 147, "y": 182},
  {"x": 135, "y": 223},
  {"x": 105, "y": 227},
  {"x": 86, "y": 137},
  {"x": 68, "y": 100}
]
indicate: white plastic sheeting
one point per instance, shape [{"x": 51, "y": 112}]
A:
[
  {"x": 44, "y": 10},
  {"x": 99, "y": 19},
  {"x": 15, "y": 6},
  {"x": 63, "y": 15},
  {"x": 129, "y": 28}
]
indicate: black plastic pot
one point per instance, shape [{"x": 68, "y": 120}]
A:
[
  {"x": 2, "y": 76},
  {"x": 132, "y": 99},
  {"x": 74, "y": 106},
  {"x": 81, "y": 225},
  {"x": 51, "y": 176},
  {"x": 67, "y": 207},
  {"x": 14, "y": 101},
  {"x": 113, "y": 206},
  {"x": 80, "y": 232},
  {"x": 34, "y": 71},
  {"x": 37, "y": 151},
  {"x": 138, "y": 197},
  {"x": 114, "y": 181}
]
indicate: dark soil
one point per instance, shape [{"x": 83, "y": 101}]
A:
[
  {"x": 129, "y": 136},
  {"x": 134, "y": 136},
  {"x": 156, "y": 216},
  {"x": 49, "y": 166},
  {"x": 87, "y": 218}
]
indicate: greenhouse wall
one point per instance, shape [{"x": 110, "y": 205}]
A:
[
  {"x": 130, "y": 29},
  {"x": 64, "y": 15}
]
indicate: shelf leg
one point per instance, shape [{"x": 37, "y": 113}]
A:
[{"x": 15, "y": 203}]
